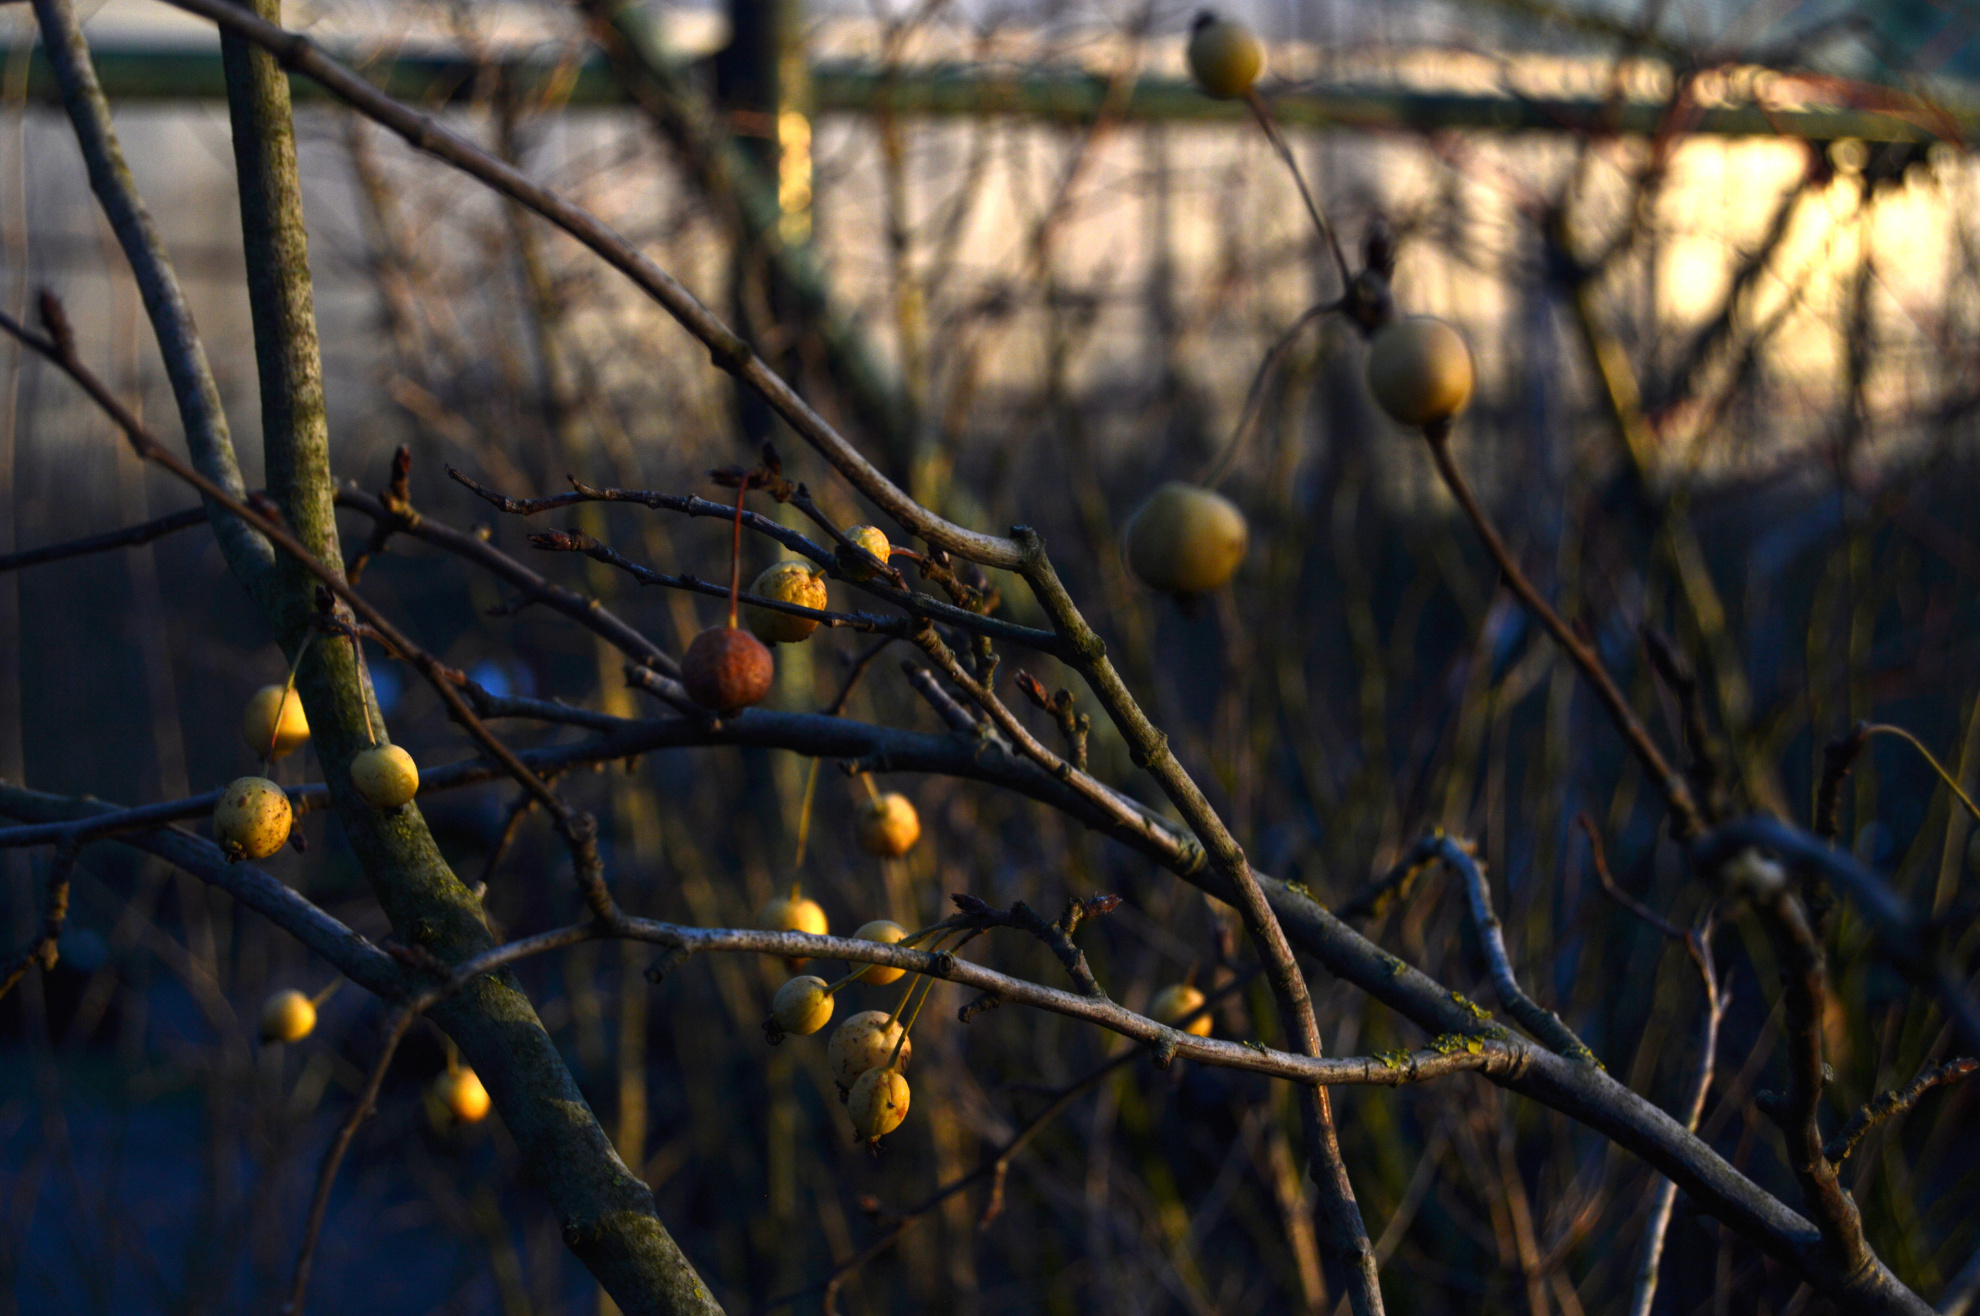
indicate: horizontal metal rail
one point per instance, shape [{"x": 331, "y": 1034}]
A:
[{"x": 1051, "y": 96}]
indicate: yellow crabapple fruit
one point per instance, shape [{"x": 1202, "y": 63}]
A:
[
  {"x": 801, "y": 1006},
  {"x": 1174, "y": 1002},
  {"x": 787, "y": 582},
  {"x": 726, "y": 670},
  {"x": 252, "y": 819},
  {"x": 792, "y": 913},
  {"x": 888, "y": 826},
  {"x": 866, "y": 1041},
  {"x": 1186, "y": 539},
  {"x": 287, "y": 1016},
  {"x": 874, "y": 540},
  {"x": 385, "y": 775},
  {"x": 878, "y": 1104},
  {"x": 274, "y": 713},
  {"x": 1419, "y": 370},
  {"x": 1224, "y": 57},
  {"x": 460, "y": 1093},
  {"x": 881, "y": 929}
]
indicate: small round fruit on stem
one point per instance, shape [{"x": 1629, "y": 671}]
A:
[
  {"x": 385, "y": 776},
  {"x": 787, "y": 582},
  {"x": 874, "y": 540},
  {"x": 878, "y": 1104},
  {"x": 1177, "y": 1001},
  {"x": 1186, "y": 539},
  {"x": 287, "y": 1016},
  {"x": 802, "y": 1006},
  {"x": 887, "y": 825},
  {"x": 1419, "y": 370},
  {"x": 252, "y": 819},
  {"x": 460, "y": 1093},
  {"x": 887, "y": 931},
  {"x": 726, "y": 670},
  {"x": 1224, "y": 57},
  {"x": 867, "y": 1040},
  {"x": 793, "y": 913},
  {"x": 273, "y": 725}
]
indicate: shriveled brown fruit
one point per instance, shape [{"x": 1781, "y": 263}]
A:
[{"x": 727, "y": 670}]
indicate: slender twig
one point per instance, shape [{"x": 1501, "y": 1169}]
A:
[
  {"x": 854, "y": 671},
  {"x": 1702, "y": 767},
  {"x": 1838, "y": 757},
  {"x": 1698, "y": 943},
  {"x": 924, "y": 682},
  {"x": 1888, "y": 1105},
  {"x": 1804, "y": 993},
  {"x": 1377, "y": 895},
  {"x": 1952, "y": 782},
  {"x": 890, "y": 588},
  {"x": 333, "y": 1158},
  {"x": 581, "y": 608},
  {"x": 504, "y": 838},
  {"x": 41, "y": 950},
  {"x": 1263, "y": 113},
  {"x": 1669, "y": 782},
  {"x": 1600, "y": 859},
  {"x": 572, "y": 541},
  {"x": 1027, "y": 744},
  {"x": 1254, "y": 398},
  {"x": 1544, "y": 1024},
  {"x": 130, "y": 536},
  {"x": 1074, "y": 726},
  {"x": 735, "y": 555}
]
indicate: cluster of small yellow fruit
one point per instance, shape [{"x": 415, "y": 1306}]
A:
[
  {"x": 252, "y": 821},
  {"x": 870, "y": 1050},
  {"x": 253, "y": 818},
  {"x": 1186, "y": 539}
]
